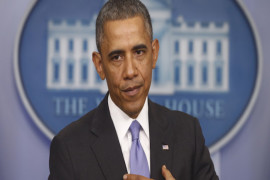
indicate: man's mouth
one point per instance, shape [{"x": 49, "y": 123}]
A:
[{"x": 132, "y": 91}]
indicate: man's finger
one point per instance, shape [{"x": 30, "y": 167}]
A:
[
  {"x": 134, "y": 177},
  {"x": 166, "y": 173}
]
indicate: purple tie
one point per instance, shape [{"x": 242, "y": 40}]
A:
[{"x": 138, "y": 161}]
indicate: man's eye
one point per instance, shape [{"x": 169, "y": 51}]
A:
[
  {"x": 116, "y": 58},
  {"x": 139, "y": 52}
]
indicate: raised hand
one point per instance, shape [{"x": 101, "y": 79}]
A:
[{"x": 165, "y": 173}]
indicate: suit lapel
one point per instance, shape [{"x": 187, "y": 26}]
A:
[
  {"x": 106, "y": 145},
  {"x": 161, "y": 138}
]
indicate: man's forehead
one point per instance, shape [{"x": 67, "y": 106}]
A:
[
  {"x": 120, "y": 32},
  {"x": 116, "y": 26}
]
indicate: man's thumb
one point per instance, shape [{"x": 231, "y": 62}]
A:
[{"x": 166, "y": 173}]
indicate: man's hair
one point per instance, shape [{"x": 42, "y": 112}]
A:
[{"x": 120, "y": 10}]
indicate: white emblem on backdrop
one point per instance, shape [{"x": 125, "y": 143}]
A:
[{"x": 194, "y": 56}]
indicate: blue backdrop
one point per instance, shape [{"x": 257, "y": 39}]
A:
[{"x": 24, "y": 150}]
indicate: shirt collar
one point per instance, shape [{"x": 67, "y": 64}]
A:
[{"x": 122, "y": 121}]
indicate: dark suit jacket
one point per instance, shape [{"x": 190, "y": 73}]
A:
[{"x": 89, "y": 148}]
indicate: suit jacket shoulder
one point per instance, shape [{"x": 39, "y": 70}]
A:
[
  {"x": 81, "y": 149},
  {"x": 77, "y": 129}
]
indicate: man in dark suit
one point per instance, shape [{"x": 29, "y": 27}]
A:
[{"x": 98, "y": 145}]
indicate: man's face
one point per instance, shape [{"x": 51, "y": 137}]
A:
[{"x": 126, "y": 61}]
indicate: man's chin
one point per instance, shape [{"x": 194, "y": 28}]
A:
[{"x": 133, "y": 109}]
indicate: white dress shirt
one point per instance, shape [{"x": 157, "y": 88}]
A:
[{"x": 122, "y": 122}]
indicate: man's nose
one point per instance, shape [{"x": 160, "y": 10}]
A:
[{"x": 130, "y": 68}]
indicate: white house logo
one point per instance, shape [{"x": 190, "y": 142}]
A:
[
  {"x": 193, "y": 57},
  {"x": 208, "y": 63}
]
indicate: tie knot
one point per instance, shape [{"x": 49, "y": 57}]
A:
[{"x": 135, "y": 129}]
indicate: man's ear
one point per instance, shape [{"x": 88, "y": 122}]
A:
[
  {"x": 97, "y": 60},
  {"x": 155, "y": 50}
]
